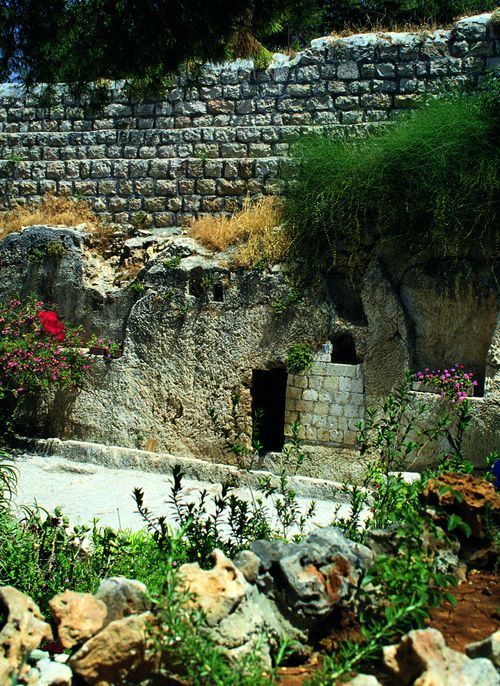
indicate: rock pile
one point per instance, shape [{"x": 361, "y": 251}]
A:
[{"x": 277, "y": 589}]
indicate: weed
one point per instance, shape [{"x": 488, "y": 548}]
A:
[
  {"x": 55, "y": 249},
  {"x": 36, "y": 256},
  {"x": 300, "y": 358},
  {"x": 255, "y": 231},
  {"x": 53, "y": 210},
  {"x": 138, "y": 286},
  {"x": 172, "y": 262},
  {"x": 8, "y": 481},
  {"x": 141, "y": 221}
]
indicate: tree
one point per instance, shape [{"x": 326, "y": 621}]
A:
[{"x": 84, "y": 40}]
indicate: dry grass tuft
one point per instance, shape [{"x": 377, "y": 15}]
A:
[
  {"x": 255, "y": 230},
  {"x": 55, "y": 210}
]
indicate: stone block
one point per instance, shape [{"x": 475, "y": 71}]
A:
[
  {"x": 331, "y": 383},
  {"x": 294, "y": 393},
  {"x": 351, "y": 117},
  {"x": 348, "y": 70},
  {"x": 309, "y": 394},
  {"x": 321, "y": 409},
  {"x": 304, "y": 406},
  {"x": 298, "y": 380}
]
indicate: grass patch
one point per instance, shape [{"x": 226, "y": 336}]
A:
[
  {"x": 55, "y": 210},
  {"x": 431, "y": 181},
  {"x": 255, "y": 231}
]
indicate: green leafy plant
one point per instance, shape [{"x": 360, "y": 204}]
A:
[
  {"x": 55, "y": 249},
  {"x": 391, "y": 438},
  {"x": 429, "y": 181},
  {"x": 396, "y": 595},
  {"x": 172, "y": 262},
  {"x": 138, "y": 286},
  {"x": 300, "y": 358},
  {"x": 8, "y": 481}
]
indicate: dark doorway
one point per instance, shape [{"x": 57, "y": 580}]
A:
[
  {"x": 344, "y": 350},
  {"x": 268, "y": 407}
]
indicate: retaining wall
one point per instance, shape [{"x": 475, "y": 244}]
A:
[{"x": 222, "y": 134}]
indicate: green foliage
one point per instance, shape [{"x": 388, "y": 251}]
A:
[
  {"x": 8, "y": 481},
  {"x": 77, "y": 42},
  {"x": 172, "y": 262},
  {"x": 391, "y": 438},
  {"x": 396, "y": 595},
  {"x": 300, "y": 357},
  {"x": 42, "y": 555},
  {"x": 431, "y": 181},
  {"x": 55, "y": 249},
  {"x": 178, "y": 630}
]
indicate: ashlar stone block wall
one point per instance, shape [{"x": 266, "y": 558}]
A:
[
  {"x": 327, "y": 400},
  {"x": 224, "y": 133}
]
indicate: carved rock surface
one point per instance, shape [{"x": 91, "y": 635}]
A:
[
  {"x": 117, "y": 655},
  {"x": 123, "y": 597},
  {"x": 308, "y": 579},
  {"x": 23, "y": 630},
  {"x": 78, "y": 616},
  {"x": 422, "y": 659},
  {"x": 218, "y": 591}
]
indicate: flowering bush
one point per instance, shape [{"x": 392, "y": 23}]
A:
[
  {"x": 454, "y": 384},
  {"x": 106, "y": 346},
  {"x": 32, "y": 354}
]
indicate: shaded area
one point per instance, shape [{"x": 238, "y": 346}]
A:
[{"x": 268, "y": 407}]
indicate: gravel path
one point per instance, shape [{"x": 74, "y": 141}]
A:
[{"x": 85, "y": 490}]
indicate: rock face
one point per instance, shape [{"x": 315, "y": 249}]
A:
[
  {"x": 422, "y": 659},
  {"x": 23, "y": 629},
  {"x": 308, "y": 580},
  {"x": 197, "y": 333},
  {"x": 489, "y": 648},
  {"x": 217, "y": 591}
]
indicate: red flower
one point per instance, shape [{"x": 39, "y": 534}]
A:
[{"x": 51, "y": 324}]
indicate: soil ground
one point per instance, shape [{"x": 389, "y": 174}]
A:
[{"x": 476, "y": 616}]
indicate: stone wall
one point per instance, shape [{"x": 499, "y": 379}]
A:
[
  {"x": 221, "y": 134},
  {"x": 327, "y": 400}
]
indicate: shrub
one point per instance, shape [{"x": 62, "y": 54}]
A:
[
  {"x": 36, "y": 351},
  {"x": 430, "y": 181}
]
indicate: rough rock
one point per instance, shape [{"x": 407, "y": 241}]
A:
[
  {"x": 22, "y": 631},
  {"x": 53, "y": 674},
  {"x": 123, "y": 597},
  {"x": 477, "y": 503},
  {"x": 467, "y": 495},
  {"x": 308, "y": 580},
  {"x": 78, "y": 616},
  {"x": 248, "y": 563},
  {"x": 489, "y": 647},
  {"x": 119, "y": 654},
  {"x": 217, "y": 591},
  {"x": 423, "y": 659}
]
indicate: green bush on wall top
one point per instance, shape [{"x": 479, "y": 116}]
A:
[{"x": 429, "y": 181}]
